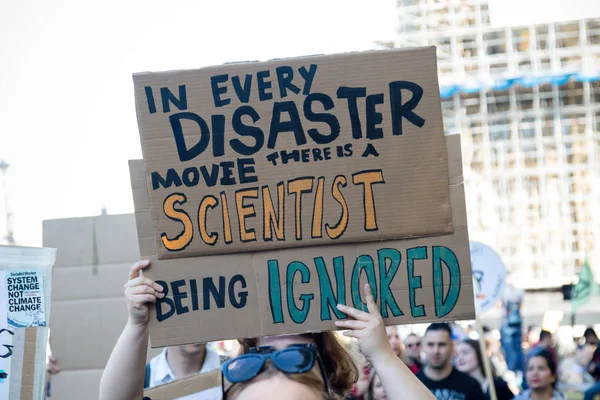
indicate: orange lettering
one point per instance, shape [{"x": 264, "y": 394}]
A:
[
  {"x": 246, "y": 211},
  {"x": 226, "y": 220},
  {"x": 207, "y": 202},
  {"x": 317, "y": 224},
  {"x": 338, "y": 230},
  {"x": 269, "y": 218},
  {"x": 299, "y": 186},
  {"x": 368, "y": 179},
  {"x": 182, "y": 240}
]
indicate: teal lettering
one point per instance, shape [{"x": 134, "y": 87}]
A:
[
  {"x": 328, "y": 300},
  {"x": 443, "y": 306},
  {"x": 298, "y": 314},
  {"x": 386, "y": 276},
  {"x": 414, "y": 282},
  {"x": 365, "y": 263},
  {"x": 275, "y": 292}
]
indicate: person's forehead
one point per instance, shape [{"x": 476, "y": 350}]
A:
[
  {"x": 283, "y": 341},
  {"x": 273, "y": 386},
  {"x": 462, "y": 347},
  {"x": 537, "y": 360},
  {"x": 437, "y": 336},
  {"x": 412, "y": 339}
]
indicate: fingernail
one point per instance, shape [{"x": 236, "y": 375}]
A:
[
  {"x": 340, "y": 306},
  {"x": 160, "y": 294},
  {"x": 159, "y": 288},
  {"x": 337, "y": 322}
]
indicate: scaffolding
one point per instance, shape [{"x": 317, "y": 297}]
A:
[{"x": 531, "y": 145}]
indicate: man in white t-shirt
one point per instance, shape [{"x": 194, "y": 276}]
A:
[
  {"x": 180, "y": 362},
  {"x": 172, "y": 364}
]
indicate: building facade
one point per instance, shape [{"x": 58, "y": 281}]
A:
[{"x": 526, "y": 101}]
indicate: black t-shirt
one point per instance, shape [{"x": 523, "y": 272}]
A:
[
  {"x": 503, "y": 392},
  {"x": 457, "y": 386}
]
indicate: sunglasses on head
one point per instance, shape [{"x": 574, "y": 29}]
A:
[{"x": 294, "y": 359}]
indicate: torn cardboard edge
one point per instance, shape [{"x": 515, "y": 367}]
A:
[{"x": 217, "y": 326}]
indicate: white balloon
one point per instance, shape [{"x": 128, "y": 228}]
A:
[{"x": 489, "y": 276}]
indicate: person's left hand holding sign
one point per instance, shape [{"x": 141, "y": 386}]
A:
[{"x": 368, "y": 327}]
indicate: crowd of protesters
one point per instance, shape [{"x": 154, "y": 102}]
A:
[{"x": 451, "y": 365}]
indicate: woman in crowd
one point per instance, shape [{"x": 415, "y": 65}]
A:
[
  {"x": 123, "y": 377},
  {"x": 470, "y": 360},
  {"x": 541, "y": 376},
  {"x": 395, "y": 341},
  {"x": 376, "y": 390},
  {"x": 342, "y": 371}
]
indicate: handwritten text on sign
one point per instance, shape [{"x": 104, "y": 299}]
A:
[
  {"x": 183, "y": 296},
  {"x": 268, "y": 155}
]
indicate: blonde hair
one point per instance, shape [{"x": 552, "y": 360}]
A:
[{"x": 310, "y": 379}]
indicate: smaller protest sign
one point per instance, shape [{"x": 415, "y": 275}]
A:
[
  {"x": 6, "y": 346},
  {"x": 23, "y": 325},
  {"x": 25, "y": 298},
  {"x": 489, "y": 276}
]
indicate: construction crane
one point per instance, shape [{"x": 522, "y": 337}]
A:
[{"x": 9, "y": 236}]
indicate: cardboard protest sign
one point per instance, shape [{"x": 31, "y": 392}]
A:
[
  {"x": 25, "y": 287},
  {"x": 295, "y": 290},
  {"x": 25, "y": 293},
  {"x": 293, "y": 153},
  {"x": 94, "y": 256}
]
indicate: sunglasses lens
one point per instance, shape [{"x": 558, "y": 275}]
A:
[
  {"x": 294, "y": 360},
  {"x": 243, "y": 368}
]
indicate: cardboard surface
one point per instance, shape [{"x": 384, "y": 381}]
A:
[
  {"x": 295, "y": 290},
  {"x": 88, "y": 305},
  {"x": 293, "y": 153},
  {"x": 91, "y": 241},
  {"x": 184, "y": 387},
  {"x": 76, "y": 384}
]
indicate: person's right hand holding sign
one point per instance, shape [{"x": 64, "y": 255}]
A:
[{"x": 139, "y": 292}]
